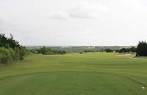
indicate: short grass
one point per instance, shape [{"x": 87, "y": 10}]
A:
[{"x": 75, "y": 74}]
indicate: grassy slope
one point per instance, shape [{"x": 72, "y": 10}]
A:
[{"x": 75, "y": 74}]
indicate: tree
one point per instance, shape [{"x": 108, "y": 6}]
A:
[
  {"x": 8, "y": 42},
  {"x": 10, "y": 49},
  {"x": 132, "y": 49},
  {"x": 123, "y": 50},
  {"x": 43, "y": 51},
  {"x": 141, "y": 49}
]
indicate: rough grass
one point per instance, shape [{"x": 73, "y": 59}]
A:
[{"x": 75, "y": 74}]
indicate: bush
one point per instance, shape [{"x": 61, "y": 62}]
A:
[
  {"x": 47, "y": 51},
  {"x": 108, "y": 50},
  {"x": 6, "y": 55},
  {"x": 20, "y": 53}
]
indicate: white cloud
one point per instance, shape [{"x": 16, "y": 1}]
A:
[
  {"x": 88, "y": 10},
  {"x": 59, "y": 15},
  {"x": 82, "y": 10},
  {"x": 78, "y": 22}
]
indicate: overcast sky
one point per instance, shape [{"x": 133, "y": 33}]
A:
[{"x": 75, "y": 22}]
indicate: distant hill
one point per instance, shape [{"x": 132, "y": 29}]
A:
[{"x": 80, "y": 48}]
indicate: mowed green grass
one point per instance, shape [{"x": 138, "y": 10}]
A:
[{"x": 75, "y": 74}]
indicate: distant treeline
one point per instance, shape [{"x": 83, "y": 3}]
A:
[
  {"x": 140, "y": 50},
  {"x": 47, "y": 51},
  {"x": 122, "y": 50},
  {"x": 109, "y": 50},
  {"x": 77, "y": 49},
  {"x": 10, "y": 50}
]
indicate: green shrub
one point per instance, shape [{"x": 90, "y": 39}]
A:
[
  {"x": 6, "y": 55},
  {"x": 48, "y": 51}
]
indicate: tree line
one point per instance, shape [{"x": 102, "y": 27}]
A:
[
  {"x": 11, "y": 50},
  {"x": 140, "y": 50},
  {"x": 122, "y": 50},
  {"x": 47, "y": 51}
]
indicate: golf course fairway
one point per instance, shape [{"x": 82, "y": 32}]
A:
[{"x": 75, "y": 74}]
